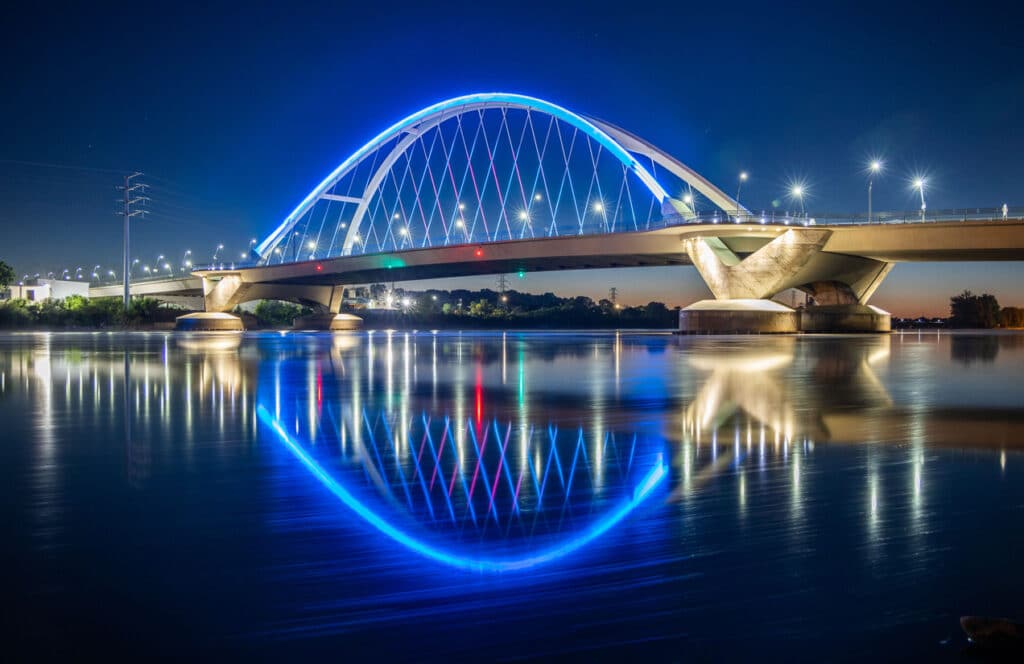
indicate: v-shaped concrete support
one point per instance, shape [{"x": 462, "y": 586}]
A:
[{"x": 763, "y": 273}]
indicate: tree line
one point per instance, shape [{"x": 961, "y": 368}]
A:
[{"x": 968, "y": 310}]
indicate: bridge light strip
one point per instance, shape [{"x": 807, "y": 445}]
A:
[
  {"x": 642, "y": 492},
  {"x": 498, "y": 98}
]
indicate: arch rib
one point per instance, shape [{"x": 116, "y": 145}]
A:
[
  {"x": 429, "y": 117},
  {"x": 637, "y": 145}
]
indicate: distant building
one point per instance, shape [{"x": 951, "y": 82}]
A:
[{"x": 37, "y": 290}]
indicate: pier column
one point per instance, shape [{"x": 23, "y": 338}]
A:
[{"x": 743, "y": 286}]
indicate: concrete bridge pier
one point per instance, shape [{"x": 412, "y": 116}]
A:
[
  {"x": 745, "y": 273},
  {"x": 223, "y": 292}
]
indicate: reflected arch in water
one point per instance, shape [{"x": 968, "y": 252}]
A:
[{"x": 449, "y": 556}]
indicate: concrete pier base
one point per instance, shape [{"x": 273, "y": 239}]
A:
[
  {"x": 845, "y": 318},
  {"x": 332, "y": 322},
  {"x": 209, "y": 321},
  {"x": 738, "y": 316}
]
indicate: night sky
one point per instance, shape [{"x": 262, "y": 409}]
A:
[{"x": 235, "y": 114}]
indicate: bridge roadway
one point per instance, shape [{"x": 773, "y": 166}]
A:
[
  {"x": 858, "y": 255},
  {"x": 931, "y": 241}
]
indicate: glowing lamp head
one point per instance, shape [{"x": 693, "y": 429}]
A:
[
  {"x": 523, "y": 216},
  {"x": 459, "y": 223},
  {"x": 876, "y": 166},
  {"x": 797, "y": 191},
  {"x": 919, "y": 183},
  {"x": 598, "y": 207},
  {"x": 688, "y": 199},
  {"x": 403, "y": 231},
  {"x": 743, "y": 176},
  {"x": 537, "y": 197},
  {"x": 479, "y": 252}
]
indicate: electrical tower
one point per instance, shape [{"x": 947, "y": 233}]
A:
[
  {"x": 502, "y": 287},
  {"x": 129, "y": 201}
]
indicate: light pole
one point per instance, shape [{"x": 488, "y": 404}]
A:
[
  {"x": 919, "y": 184},
  {"x": 217, "y": 251},
  {"x": 874, "y": 169},
  {"x": 797, "y": 192},
  {"x": 739, "y": 186}
]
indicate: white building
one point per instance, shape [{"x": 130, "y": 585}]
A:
[{"x": 38, "y": 290}]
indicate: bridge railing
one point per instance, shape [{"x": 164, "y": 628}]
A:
[{"x": 776, "y": 217}]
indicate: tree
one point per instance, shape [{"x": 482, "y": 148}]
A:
[
  {"x": 1011, "y": 317},
  {"x": 970, "y": 310},
  {"x": 6, "y": 275}
]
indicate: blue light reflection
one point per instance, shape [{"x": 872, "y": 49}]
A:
[{"x": 576, "y": 541}]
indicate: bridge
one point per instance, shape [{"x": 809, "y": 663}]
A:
[{"x": 496, "y": 183}]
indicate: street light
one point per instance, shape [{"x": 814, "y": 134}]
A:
[
  {"x": 797, "y": 192},
  {"x": 739, "y": 186},
  {"x": 873, "y": 169},
  {"x": 919, "y": 184}
]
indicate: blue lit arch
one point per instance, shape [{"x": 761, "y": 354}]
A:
[{"x": 398, "y": 138}]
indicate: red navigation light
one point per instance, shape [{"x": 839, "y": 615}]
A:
[
  {"x": 479, "y": 252},
  {"x": 319, "y": 267}
]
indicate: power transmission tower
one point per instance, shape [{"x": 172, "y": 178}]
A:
[
  {"x": 502, "y": 287},
  {"x": 129, "y": 200}
]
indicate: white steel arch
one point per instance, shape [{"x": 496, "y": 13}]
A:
[{"x": 619, "y": 143}]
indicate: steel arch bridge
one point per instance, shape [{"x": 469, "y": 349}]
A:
[
  {"x": 496, "y": 182},
  {"x": 487, "y": 168}
]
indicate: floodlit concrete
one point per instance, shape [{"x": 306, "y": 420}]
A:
[
  {"x": 738, "y": 316},
  {"x": 332, "y": 322},
  {"x": 209, "y": 321},
  {"x": 845, "y": 318}
]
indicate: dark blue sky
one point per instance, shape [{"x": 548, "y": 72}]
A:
[{"x": 235, "y": 113}]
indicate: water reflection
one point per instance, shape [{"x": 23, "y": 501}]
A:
[{"x": 362, "y": 463}]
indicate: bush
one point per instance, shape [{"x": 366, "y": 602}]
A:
[{"x": 272, "y": 313}]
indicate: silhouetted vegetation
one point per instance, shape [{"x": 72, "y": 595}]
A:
[
  {"x": 489, "y": 309},
  {"x": 77, "y": 311},
  {"x": 273, "y": 313},
  {"x": 6, "y": 275},
  {"x": 1011, "y": 317},
  {"x": 973, "y": 311}
]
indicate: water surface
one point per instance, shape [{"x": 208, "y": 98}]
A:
[{"x": 498, "y": 496}]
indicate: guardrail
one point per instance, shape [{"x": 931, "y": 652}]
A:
[{"x": 818, "y": 218}]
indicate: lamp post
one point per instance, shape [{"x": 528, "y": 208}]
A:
[
  {"x": 797, "y": 192},
  {"x": 739, "y": 186},
  {"x": 919, "y": 184},
  {"x": 874, "y": 169}
]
